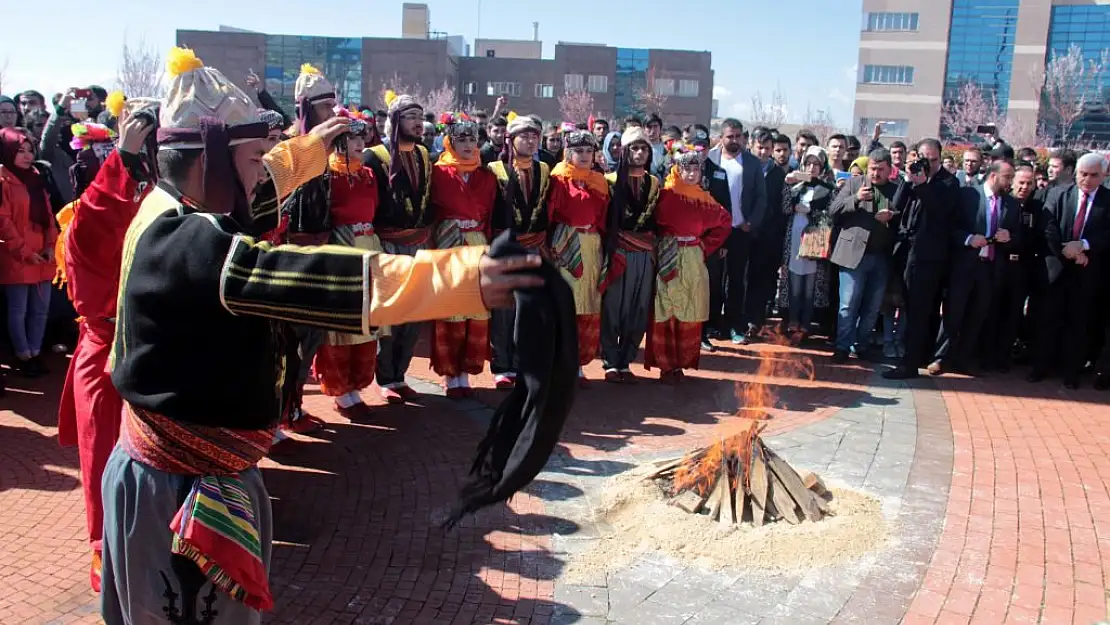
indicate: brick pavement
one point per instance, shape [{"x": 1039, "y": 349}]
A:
[{"x": 355, "y": 508}]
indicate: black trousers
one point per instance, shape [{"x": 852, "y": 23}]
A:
[
  {"x": 1068, "y": 319},
  {"x": 924, "y": 282},
  {"x": 763, "y": 271},
  {"x": 971, "y": 295},
  {"x": 1007, "y": 315},
  {"x": 739, "y": 247},
  {"x": 716, "y": 267}
]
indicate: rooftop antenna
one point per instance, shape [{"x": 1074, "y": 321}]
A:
[{"x": 535, "y": 31}]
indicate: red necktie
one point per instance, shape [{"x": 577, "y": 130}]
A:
[{"x": 1080, "y": 217}]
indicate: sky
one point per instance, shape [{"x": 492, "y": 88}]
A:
[{"x": 807, "y": 49}]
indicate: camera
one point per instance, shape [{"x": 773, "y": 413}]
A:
[{"x": 920, "y": 166}]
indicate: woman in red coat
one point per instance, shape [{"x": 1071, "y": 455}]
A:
[
  {"x": 463, "y": 195},
  {"x": 89, "y": 260},
  {"x": 691, "y": 226},
  {"x": 579, "y": 205},
  {"x": 28, "y": 233}
]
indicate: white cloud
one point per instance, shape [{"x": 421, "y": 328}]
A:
[{"x": 720, "y": 92}]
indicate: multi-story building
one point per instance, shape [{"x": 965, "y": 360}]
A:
[
  {"x": 678, "y": 83},
  {"x": 915, "y": 55}
]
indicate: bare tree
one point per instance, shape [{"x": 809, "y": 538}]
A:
[
  {"x": 140, "y": 70},
  {"x": 441, "y": 100},
  {"x": 821, "y": 123},
  {"x": 772, "y": 114},
  {"x": 398, "y": 86},
  {"x": 1070, "y": 87},
  {"x": 971, "y": 108},
  {"x": 650, "y": 97},
  {"x": 576, "y": 105}
]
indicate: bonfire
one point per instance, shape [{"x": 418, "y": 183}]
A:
[{"x": 739, "y": 478}]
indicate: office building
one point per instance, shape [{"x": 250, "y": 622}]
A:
[
  {"x": 916, "y": 54},
  {"x": 361, "y": 68}
]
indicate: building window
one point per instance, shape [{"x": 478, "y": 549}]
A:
[
  {"x": 887, "y": 75},
  {"x": 688, "y": 88},
  {"x": 664, "y": 86},
  {"x": 891, "y": 127},
  {"x": 981, "y": 42},
  {"x": 491, "y": 53},
  {"x": 1089, "y": 27},
  {"x": 545, "y": 91},
  {"x": 470, "y": 88},
  {"x": 574, "y": 82},
  {"x": 598, "y": 84},
  {"x": 503, "y": 88},
  {"x": 889, "y": 22}
]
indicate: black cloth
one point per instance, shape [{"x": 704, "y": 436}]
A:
[
  {"x": 549, "y": 157},
  {"x": 766, "y": 250},
  {"x": 527, "y": 425},
  {"x": 489, "y": 153}
]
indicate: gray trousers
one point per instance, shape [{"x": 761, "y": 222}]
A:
[
  {"x": 626, "y": 310},
  {"x": 311, "y": 340},
  {"x": 395, "y": 351},
  {"x": 141, "y": 579}
]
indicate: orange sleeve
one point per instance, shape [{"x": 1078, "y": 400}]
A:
[
  {"x": 294, "y": 162},
  {"x": 434, "y": 284}
]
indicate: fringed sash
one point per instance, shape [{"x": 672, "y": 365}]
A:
[
  {"x": 617, "y": 264},
  {"x": 532, "y": 240},
  {"x": 215, "y": 527},
  {"x": 406, "y": 236},
  {"x": 667, "y": 255}
]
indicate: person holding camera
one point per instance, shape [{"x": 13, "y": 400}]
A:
[
  {"x": 864, "y": 216},
  {"x": 927, "y": 200}
]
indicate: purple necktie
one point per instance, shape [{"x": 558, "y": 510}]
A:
[{"x": 992, "y": 227}]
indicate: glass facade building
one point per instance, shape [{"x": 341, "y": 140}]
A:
[
  {"x": 339, "y": 58},
  {"x": 631, "y": 77},
  {"x": 981, "y": 48},
  {"x": 1086, "y": 26}
]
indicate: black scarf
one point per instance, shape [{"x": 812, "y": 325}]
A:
[{"x": 527, "y": 425}]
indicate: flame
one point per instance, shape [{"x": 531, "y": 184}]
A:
[{"x": 757, "y": 399}]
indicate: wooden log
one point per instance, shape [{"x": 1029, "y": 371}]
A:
[
  {"x": 784, "y": 503},
  {"x": 740, "y": 501},
  {"x": 758, "y": 477},
  {"x": 688, "y": 501},
  {"x": 716, "y": 497},
  {"x": 793, "y": 485},
  {"x": 821, "y": 503},
  {"x": 814, "y": 483},
  {"x": 725, "y": 490},
  {"x": 759, "y": 513}
]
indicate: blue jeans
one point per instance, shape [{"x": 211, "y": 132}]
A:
[
  {"x": 28, "y": 305},
  {"x": 861, "y": 297},
  {"x": 803, "y": 292}
]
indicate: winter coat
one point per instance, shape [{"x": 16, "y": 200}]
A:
[{"x": 20, "y": 239}]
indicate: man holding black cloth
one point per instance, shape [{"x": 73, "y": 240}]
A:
[{"x": 930, "y": 196}]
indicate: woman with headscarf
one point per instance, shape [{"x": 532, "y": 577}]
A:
[
  {"x": 28, "y": 232},
  {"x": 691, "y": 226},
  {"x": 806, "y": 284},
  {"x": 463, "y": 197},
  {"x": 346, "y": 363},
  {"x": 579, "y": 207},
  {"x": 611, "y": 151}
]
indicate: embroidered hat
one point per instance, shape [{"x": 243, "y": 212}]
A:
[
  {"x": 312, "y": 86},
  {"x": 523, "y": 123},
  {"x": 581, "y": 139},
  {"x": 632, "y": 135},
  {"x": 200, "y": 98}
]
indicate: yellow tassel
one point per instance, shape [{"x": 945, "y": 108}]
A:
[
  {"x": 115, "y": 103},
  {"x": 390, "y": 96},
  {"x": 65, "y": 216},
  {"x": 511, "y": 116},
  {"x": 182, "y": 60},
  {"x": 308, "y": 68}
]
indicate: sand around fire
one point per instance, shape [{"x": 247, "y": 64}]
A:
[{"x": 642, "y": 521}]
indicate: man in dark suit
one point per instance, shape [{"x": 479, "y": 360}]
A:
[
  {"x": 766, "y": 255},
  {"x": 747, "y": 203},
  {"x": 986, "y": 237},
  {"x": 1039, "y": 265},
  {"x": 969, "y": 170},
  {"x": 927, "y": 208},
  {"x": 1083, "y": 213},
  {"x": 863, "y": 214}
]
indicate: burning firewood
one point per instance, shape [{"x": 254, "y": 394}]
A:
[{"x": 738, "y": 474}]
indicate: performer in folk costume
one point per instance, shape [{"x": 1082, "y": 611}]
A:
[
  {"x": 204, "y": 384},
  {"x": 345, "y": 363},
  {"x": 403, "y": 222},
  {"x": 628, "y": 278},
  {"x": 463, "y": 196},
  {"x": 691, "y": 226},
  {"x": 524, "y": 183},
  {"x": 579, "y": 207},
  {"x": 88, "y": 256},
  {"x": 306, "y": 220}
]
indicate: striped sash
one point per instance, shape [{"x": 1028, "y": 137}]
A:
[
  {"x": 215, "y": 526},
  {"x": 667, "y": 258},
  {"x": 449, "y": 234},
  {"x": 567, "y": 249},
  {"x": 406, "y": 236},
  {"x": 616, "y": 265}
]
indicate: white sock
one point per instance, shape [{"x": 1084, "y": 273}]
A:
[
  {"x": 346, "y": 401},
  {"x": 581, "y": 373}
]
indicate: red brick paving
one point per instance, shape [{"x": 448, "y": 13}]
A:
[{"x": 1027, "y": 533}]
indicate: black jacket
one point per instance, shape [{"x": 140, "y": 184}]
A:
[
  {"x": 928, "y": 216},
  {"x": 971, "y": 220}
]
